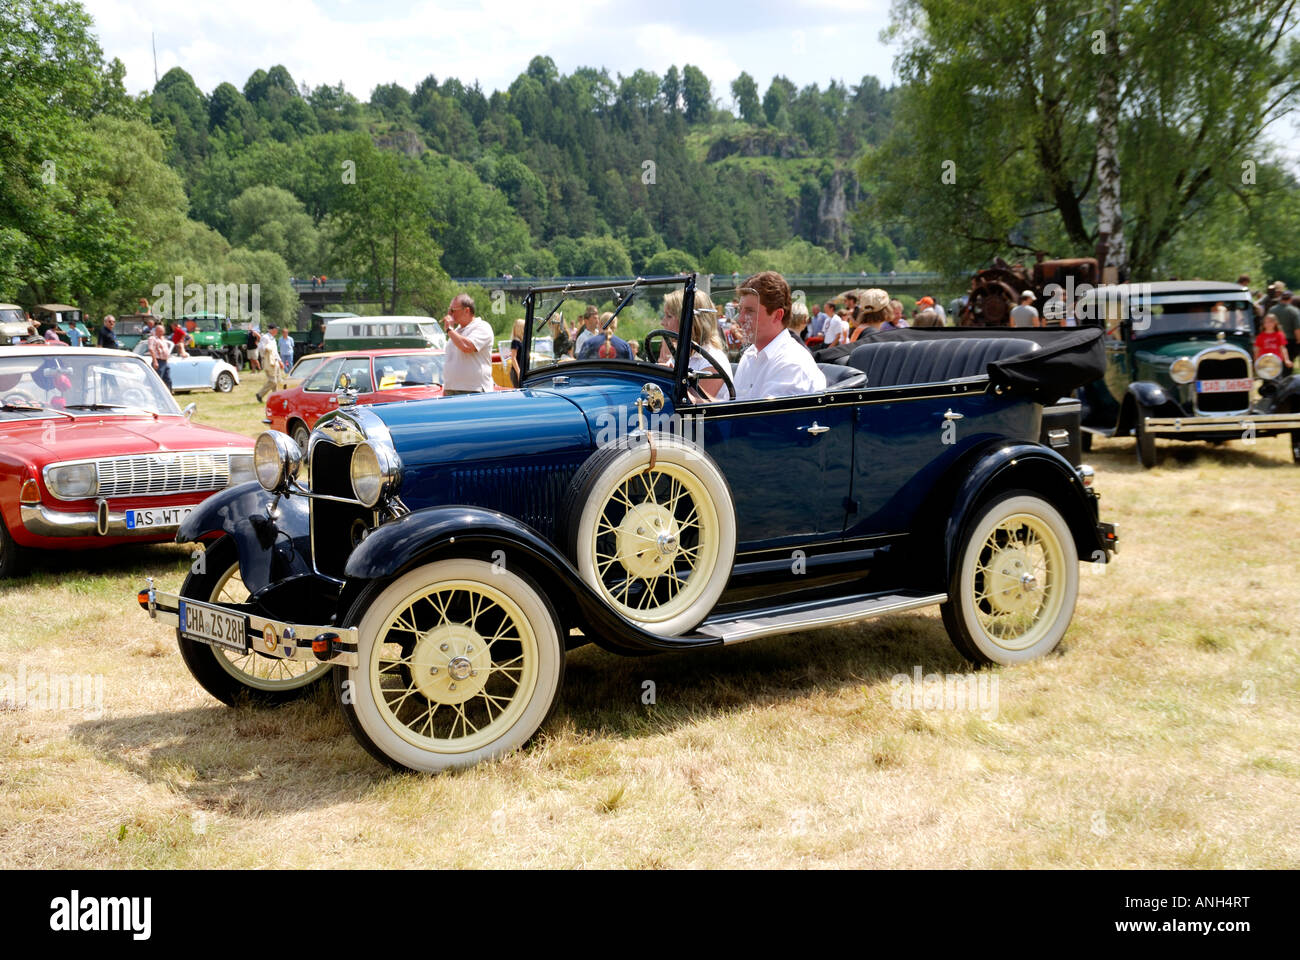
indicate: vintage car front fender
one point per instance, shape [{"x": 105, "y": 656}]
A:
[
  {"x": 1282, "y": 396},
  {"x": 435, "y": 532},
  {"x": 273, "y": 546},
  {"x": 1035, "y": 468}
]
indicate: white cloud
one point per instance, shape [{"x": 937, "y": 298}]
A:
[{"x": 365, "y": 44}]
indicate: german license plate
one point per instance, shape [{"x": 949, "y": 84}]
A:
[
  {"x": 201, "y": 621},
  {"x": 159, "y": 517},
  {"x": 1223, "y": 386}
]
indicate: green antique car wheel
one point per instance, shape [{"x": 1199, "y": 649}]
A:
[
  {"x": 227, "y": 675},
  {"x": 1147, "y": 454},
  {"x": 1015, "y": 582}
]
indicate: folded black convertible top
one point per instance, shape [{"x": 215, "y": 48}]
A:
[{"x": 1067, "y": 358}]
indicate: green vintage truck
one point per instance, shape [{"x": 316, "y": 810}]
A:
[
  {"x": 1181, "y": 366},
  {"x": 215, "y": 335}
]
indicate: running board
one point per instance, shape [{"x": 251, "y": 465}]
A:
[{"x": 751, "y": 624}]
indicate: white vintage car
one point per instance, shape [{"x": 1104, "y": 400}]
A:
[{"x": 196, "y": 373}]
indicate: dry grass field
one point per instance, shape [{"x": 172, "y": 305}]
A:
[{"x": 1165, "y": 732}]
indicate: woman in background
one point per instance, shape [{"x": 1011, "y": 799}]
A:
[{"x": 704, "y": 331}]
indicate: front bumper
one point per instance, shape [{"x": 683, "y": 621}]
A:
[
  {"x": 1262, "y": 424},
  {"x": 42, "y": 522},
  {"x": 307, "y": 643}
]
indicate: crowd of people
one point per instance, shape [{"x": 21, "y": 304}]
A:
[{"x": 777, "y": 335}]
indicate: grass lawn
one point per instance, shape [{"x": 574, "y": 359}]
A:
[{"x": 1165, "y": 733}]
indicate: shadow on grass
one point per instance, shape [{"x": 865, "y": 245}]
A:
[
  {"x": 1121, "y": 456},
  {"x": 251, "y": 762},
  {"x": 135, "y": 561}
]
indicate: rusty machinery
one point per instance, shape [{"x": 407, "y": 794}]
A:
[{"x": 995, "y": 290}]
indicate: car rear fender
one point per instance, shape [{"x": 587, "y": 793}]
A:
[
  {"x": 273, "y": 544},
  {"x": 1015, "y": 466},
  {"x": 433, "y": 533}
]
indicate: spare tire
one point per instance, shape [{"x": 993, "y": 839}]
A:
[{"x": 657, "y": 543}]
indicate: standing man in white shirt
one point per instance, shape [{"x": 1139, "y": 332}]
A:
[
  {"x": 468, "y": 366},
  {"x": 774, "y": 365},
  {"x": 835, "y": 331}
]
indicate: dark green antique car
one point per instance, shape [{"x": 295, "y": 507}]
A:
[{"x": 1180, "y": 366}]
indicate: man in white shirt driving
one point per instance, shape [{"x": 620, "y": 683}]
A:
[{"x": 774, "y": 365}]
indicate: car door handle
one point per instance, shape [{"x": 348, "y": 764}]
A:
[
  {"x": 333, "y": 399},
  {"x": 953, "y": 416},
  {"x": 815, "y": 429}
]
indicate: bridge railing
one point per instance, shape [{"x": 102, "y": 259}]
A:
[{"x": 724, "y": 280}]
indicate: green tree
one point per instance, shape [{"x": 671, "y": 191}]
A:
[
  {"x": 745, "y": 92},
  {"x": 1010, "y": 93},
  {"x": 697, "y": 92},
  {"x": 60, "y": 235},
  {"x": 670, "y": 262},
  {"x": 380, "y": 231},
  {"x": 272, "y": 218},
  {"x": 720, "y": 260}
]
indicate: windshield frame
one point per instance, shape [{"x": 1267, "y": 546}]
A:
[{"x": 629, "y": 288}]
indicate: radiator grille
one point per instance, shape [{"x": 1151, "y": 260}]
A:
[
  {"x": 336, "y": 528},
  {"x": 163, "y": 473},
  {"x": 1223, "y": 368}
]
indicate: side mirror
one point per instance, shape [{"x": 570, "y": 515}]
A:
[{"x": 189, "y": 410}]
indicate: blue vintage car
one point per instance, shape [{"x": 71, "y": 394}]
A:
[{"x": 447, "y": 554}]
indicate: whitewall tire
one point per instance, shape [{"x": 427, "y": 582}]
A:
[
  {"x": 657, "y": 543},
  {"x": 1015, "y": 582},
  {"x": 460, "y": 660}
]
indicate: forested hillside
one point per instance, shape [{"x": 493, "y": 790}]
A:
[{"x": 584, "y": 173}]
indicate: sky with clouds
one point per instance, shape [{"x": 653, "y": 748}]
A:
[{"x": 367, "y": 43}]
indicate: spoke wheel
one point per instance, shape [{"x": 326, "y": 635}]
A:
[
  {"x": 1015, "y": 583},
  {"x": 227, "y": 675},
  {"x": 460, "y": 661},
  {"x": 656, "y": 543}
]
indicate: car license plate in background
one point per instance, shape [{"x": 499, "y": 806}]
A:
[
  {"x": 1223, "y": 386},
  {"x": 199, "y": 621},
  {"x": 156, "y": 517}
]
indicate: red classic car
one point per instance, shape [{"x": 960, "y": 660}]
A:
[
  {"x": 94, "y": 452},
  {"x": 374, "y": 376}
]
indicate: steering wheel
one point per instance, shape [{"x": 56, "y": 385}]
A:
[
  {"x": 21, "y": 397},
  {"x": 717, "y": 374},
  {"x": 136, "y": 397}
]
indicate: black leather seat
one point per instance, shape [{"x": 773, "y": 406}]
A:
[
  {"x": 892, "y": 363},
  {"x": 842, "y": 378}
]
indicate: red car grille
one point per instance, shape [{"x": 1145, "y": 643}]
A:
[{"x": 163, "y": 473}]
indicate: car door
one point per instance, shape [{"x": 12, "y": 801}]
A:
[
  {"x": 788, "y": 462},
  {"x": 318, "y": 395},
  {"x": 188, "y": 373}
]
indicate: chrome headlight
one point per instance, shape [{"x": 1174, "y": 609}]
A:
[
  {"x": 73, "y": 481},
  {"x": 375, "y": 472},
  {"x": 1183, "y": 370},
  {"x": 276, "y": 459},
  {"x": 1268, "y": 366},
  {"x": 241, "y": 468}
]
